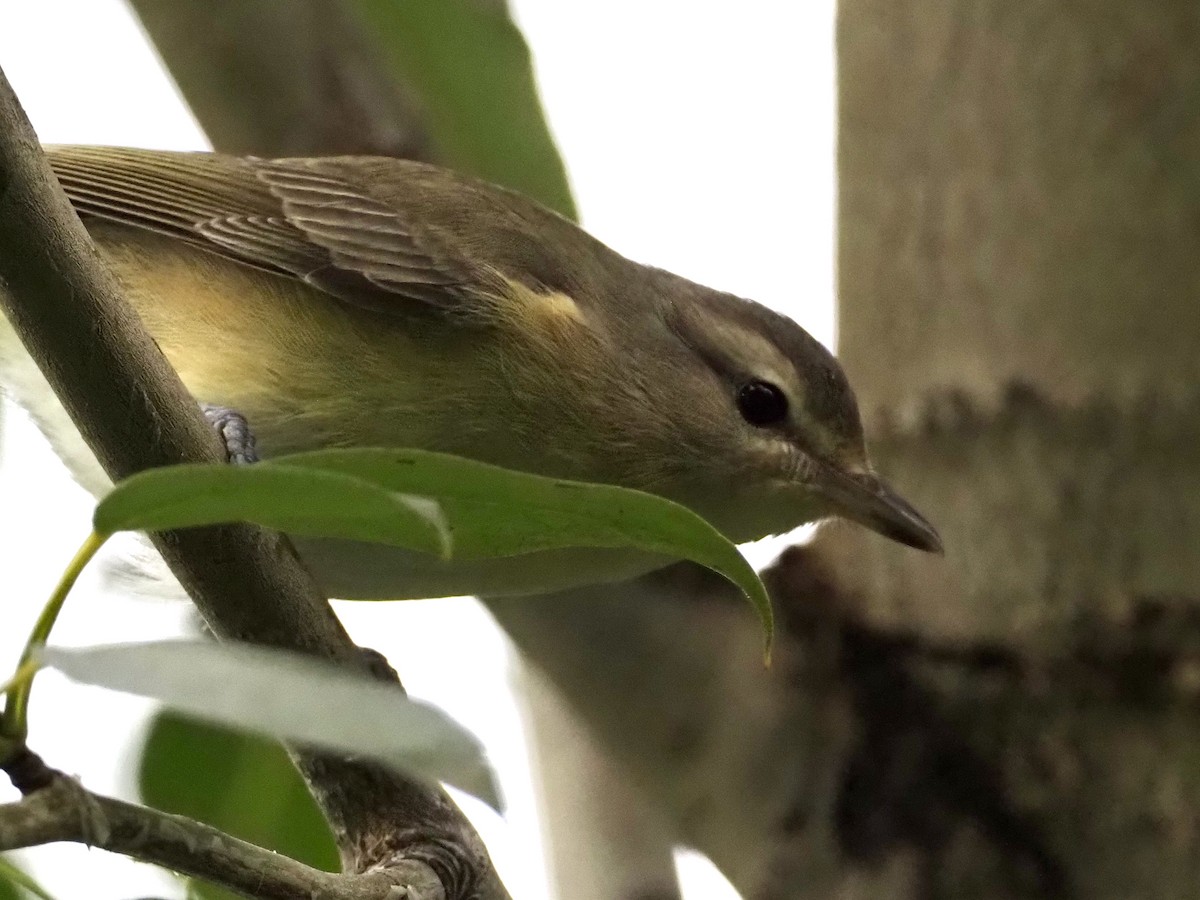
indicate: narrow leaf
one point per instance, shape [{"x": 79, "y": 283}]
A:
[
  {"x": 290, "y": 697},
  {"x": 243, "y": 784},
  {"x": 500, "y": 512},
  {"x": 470, "y": 66},
  {"x": 488, "y": 511},
  {"x": 305, "y": 502},
  {"x": 17, "y": 884}
]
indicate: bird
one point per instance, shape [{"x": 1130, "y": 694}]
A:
[{"x": 369, "y": 301}]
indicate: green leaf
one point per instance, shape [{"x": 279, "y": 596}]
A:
[
  {"x": 500, "y": 512},
  {"x": 310, "y": 502},
  {"x": 489, "y": 511},
  {"x": 17, "y": 884},
  {"x": 471, "y": 68},
  {"x": 270, "y": 692},
  {"x": 243, "y": 784}
]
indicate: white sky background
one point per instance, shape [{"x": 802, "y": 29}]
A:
[{"x": 698, "y": 137}]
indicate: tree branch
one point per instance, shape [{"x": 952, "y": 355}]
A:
[
  {"x": 329, "y": 90},
  {"x": 247, "y": 583},
  {"x": 63, "y": 810}
]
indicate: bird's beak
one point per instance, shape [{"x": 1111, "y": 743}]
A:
[{"x": 866, "y": 499}]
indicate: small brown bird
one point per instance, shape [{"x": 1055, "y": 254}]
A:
[{"x": 363, "y": 301}]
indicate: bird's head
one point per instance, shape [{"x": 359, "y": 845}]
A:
[{"x": 780, "y": 420}]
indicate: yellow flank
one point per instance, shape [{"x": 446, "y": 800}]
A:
[
  {"x": 286, "y": 355},
  {"x": 308, "y": 369}
]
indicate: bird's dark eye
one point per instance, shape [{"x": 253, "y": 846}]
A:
[{"x": 762, "y": 403}]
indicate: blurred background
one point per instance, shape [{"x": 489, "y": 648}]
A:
[{"x": 697, "y": 137}]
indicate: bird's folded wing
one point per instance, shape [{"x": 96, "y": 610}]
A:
[{"x": 301, "y": 218}]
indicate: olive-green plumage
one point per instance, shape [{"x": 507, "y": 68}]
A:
[{"x": 370, "y": 301}]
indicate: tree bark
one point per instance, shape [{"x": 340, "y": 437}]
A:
[{"x": 1019, "y": 213}]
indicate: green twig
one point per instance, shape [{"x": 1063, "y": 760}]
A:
[{"x": 14, "y": 725}]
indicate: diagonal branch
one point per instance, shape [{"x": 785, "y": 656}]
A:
[
  {"x": 135, "y": 413},
  {"x": 330, "y": 91},
  {"x": 62, "y": 810}
]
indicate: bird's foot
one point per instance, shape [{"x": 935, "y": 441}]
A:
[{"x": 234, "y": 431}]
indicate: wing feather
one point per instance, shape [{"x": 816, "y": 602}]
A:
[{"x": 309, "y": 219}]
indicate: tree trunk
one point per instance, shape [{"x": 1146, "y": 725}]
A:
[
  {"x": 1018, "y": 228},
  {"x": 603, "y": 840}
]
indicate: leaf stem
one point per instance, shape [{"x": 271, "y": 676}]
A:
[
  {"x": 23, "y": 673},
  {"x": 14, "y": 725}
]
